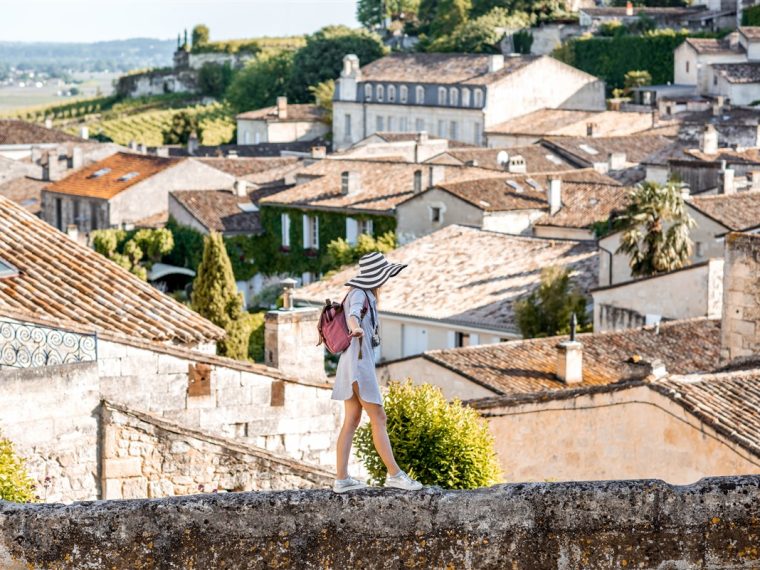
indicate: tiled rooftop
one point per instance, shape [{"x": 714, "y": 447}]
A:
[
  {"x": 652, "y": 12},
  {"x": 14, "y": 131},
  {"x": 589, "y": 150},
  {"x": 25, "y": 192},
  {"x": 537, "y": 158},
  {"x": 734, "y": 211},
  {"x": 715, "y": 45},
  {"x": 752, "y": 33},
  {"x": 738, "y": 73},
  {"x": 746, "y": 156},
  {"x": 440, "y": 68},
  {"x": 566, "y": 122},
  {"x": 220, "y": 210},
  {"x": 110, "y": 176},
  {"x": 295, "y": 113},
  {"x": 583, "y": 204},
  {"x": 60, "y": 279},
  {"x": 260, "y": 170},
  {"x": 247, "y": 150},
  {"x": 467, "y": 276},
  {"x": 529, "y": 366}
]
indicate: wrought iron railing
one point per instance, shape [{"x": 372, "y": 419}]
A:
[{"x": 25, "y": 345}]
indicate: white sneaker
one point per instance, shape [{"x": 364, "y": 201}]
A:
[
  {"x": 348, "y": 484},
  {"x": 402, "y": 481}
]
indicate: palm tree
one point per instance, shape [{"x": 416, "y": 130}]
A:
[{"x": 656, "y": 229}]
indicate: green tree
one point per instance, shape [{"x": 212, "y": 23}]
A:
[
  {"x": 481, "y": 35},
  {"x": 435, "y": 441},
  {"x": 154, "y": 243},
  {"x": 188, "y": 246},
  {"x": 636, "y": 78},
  {"x": 215, "y": 78},
  {"x": 323, "y": 97},
  {"x": 321, "y": 58},
  {"x": 15, "y": 483},
  {"x": 341, "y": 253},
  {"x": 260, "y": 82},
  {"x": 183, "y": 125},
  {"x": 370, "y": 12},
  {"x": 522, "y": 41},
  {"x": 656, "y": 235},
  {"x": 200, "y": 36},
  {"x": 215, "y": 297},
  {"x": 447, "y": 16},
  {"x": 548, "y": 309}
]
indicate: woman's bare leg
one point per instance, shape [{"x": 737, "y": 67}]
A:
[
  {"x": 379, "y": 420},
  {"x": 351, "y": 419}
]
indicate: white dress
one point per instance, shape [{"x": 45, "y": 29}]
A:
[{"x": 350, "y": 368}]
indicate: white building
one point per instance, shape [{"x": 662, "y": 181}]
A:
[
  {"x": 454, "y": 96},
  {"x": 282, "y": 123}
]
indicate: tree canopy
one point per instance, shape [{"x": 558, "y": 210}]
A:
[
  {"x": 183, "y": 125},
  {"x": 260, "y": 82},
  {"x": 481, "y": 35},
  {"x": 200, "y": 35}
]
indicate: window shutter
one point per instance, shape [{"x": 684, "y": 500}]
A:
[
  {"x": 315, "y": 244},
  {"x": 352, "y": 230},
  {"x": 306, "y": 232},
  {"x": 285, "y": 222}
]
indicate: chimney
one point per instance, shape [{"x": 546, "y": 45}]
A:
[
  {"x": 437, "y": 175},
  {"x": 656, "y": 369},
  {"x": 318, "y": 152},
  {"x": 617, "y": 160},
  {"x": 629, "y": 8},
  {"x": 555, "y": 195},
  {"x": 495, "y": 62},
  {"x": 516, "y": 164},
  {"x": 36, "y": 155},
  {"x": 192, "y": 144},
  {"x": 73, "y": 232},
  {"x": 290, "y": 340},
  {"x": 726, "y": 181},
  {"x": 570, "y": 357},
  {"x": 710, "y": 140},
  {"x": 142, "y": 149},
  {"x": 84, "y": 133},
  {"x": 77, "y": 158},
  {"x": 753, "y": 180},
  {"x": 241, "y": 188},
  {"x": 717, "y": 106},
  {"x": 133, "y": 145},
  {"x": 282, "y": 107},
  {"x": 422, "y": 137},
  {"x": 740, "y": 329},
  {"x": 48, "y": 123},
  {"x": 162, "y": 151},
  {"x": 52, "y": 170},
  {"x": 591, "y": 130},
  {"x": 350, "y": 183}
]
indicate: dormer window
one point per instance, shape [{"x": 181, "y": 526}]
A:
[
  {"x": 128, "y": 176},
  {"x": 368, "y": 92},
  {"x": 454, "y": 97},
  {"x": 7, "y": 270},
  {"x": 99, "y": 173},
  {"x": 441, "y": 95},
  {"x": 380, "y": 93},
  {"x": 419, "y": 95},
  {"x": 465, "y": 97},
  {"x": 391, "y": 93},
  {"x": 478, "y": 97},
  {"x": 403, "y": 93}
]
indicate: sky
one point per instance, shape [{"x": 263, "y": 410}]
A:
[{"x": 97, "y": 20}]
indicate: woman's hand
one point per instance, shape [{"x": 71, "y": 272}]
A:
[{"x": 357, "y": 332}]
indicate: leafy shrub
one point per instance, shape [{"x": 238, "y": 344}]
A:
[
  {"x": 341, "y": 253},
  {"x": 15, "y": 483},
  {"x": 256, "y": 336},
  {"x": 481, "y": 35},
  {"x": 183, "y": 125},
  {"x": 260, "y": 82},
  {"x": 751, "y": 16},
  {"x": 522, "y": 41},
  {"x": 437, "y": 442},
  {"x": 215, "y": 78}
]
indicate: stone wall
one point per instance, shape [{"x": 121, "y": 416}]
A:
[
  {"x": 143, "y": 456},
  {"x": 740, "y": 334},
  {"x": 564, "y": 526}
]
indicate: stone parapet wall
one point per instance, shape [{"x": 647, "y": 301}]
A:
[
  {"x": 740, "y": 334},
  {"x": 143, "y": 456},
  {"x": 625, "y": 524}
]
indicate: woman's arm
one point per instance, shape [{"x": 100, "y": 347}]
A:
[
  {"x": 355, "y": 306},
  {"x": 353, "y": 325}
]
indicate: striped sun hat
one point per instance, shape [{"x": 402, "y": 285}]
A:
[{"x": 374, "y": 270}]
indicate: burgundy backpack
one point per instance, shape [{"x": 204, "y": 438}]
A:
[{"x": 333, "y": 326}]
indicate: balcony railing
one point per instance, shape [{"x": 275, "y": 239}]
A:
[{"x": 25, "y": 345}]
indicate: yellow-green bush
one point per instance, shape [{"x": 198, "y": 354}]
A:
[
  {"x": 435, "y": 441},
  {"x": 15, "y": 483}
]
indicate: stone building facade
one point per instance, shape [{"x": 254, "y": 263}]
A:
[{"x": 741, "y": 298}]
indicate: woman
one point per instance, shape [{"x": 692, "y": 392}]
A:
[{"x": 356, "y": 381}]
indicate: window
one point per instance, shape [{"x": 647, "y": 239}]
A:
[
  {"x": 419, "y": 95},
  {"x": 419, "y": 125},
  {"x": 403, "y": 93},
  {"x": 463, "y": 339},
  {"x": 58, "y": 214},
  {"x": 403, "y": 124},
  {"x": 379, "y": 123},
  {"x": 368, "y": 92},
  {"x": 478, "y": 98},
  {"x": 75, "y": 206},
  {"x": 436, "y": 214},
  {"x": 285, "y": 236},
  {"x": 93, "y": 216},
  {"x": 391, "y": 93},
  {"x": 390, "y": 123},
  {"x": 128, "y": 176},
  {"x": 441, "y": 95},
  {"x": 687, "y": 67},
  {"x": 442, "y": 128},
  {"x": 347, "y": 126},
  {"x": 310, "y": 232},
  {"x": 352, "y": 230},
  {"x": 100, "y": 172},
  {"x": 380, "y": 93},
  {"x": 465, "y": 97},
  {"x": 476, "y": 133},
  {"x": 454, "y": 130},
  {"x": 454, "y": 97},
  {"x": 588, "y": 149},
  {"x": 7, "y": 270},
  {"x": 715, "y": 79},
  {"x": 366, "y": 227},
  {"x": 700, "y": 249},
  {"x": 417, "y": 181},
  {"x": 345, "y": 178}
]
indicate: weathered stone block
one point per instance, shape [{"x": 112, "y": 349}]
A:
[{"x": 123, "y": 467}]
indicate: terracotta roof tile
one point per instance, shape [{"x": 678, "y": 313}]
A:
[
  {"x": 250, "y": 168},
  {"x": 566, "y": 122},
  {"x": 14, "y": 131},
  {"x": 467, "y": 276},
  {"x": 583, "y": 204},
  {"x": 752, "y": 33},
  {"x": 738, "y": 73},
  {"x": 734, "y": 211},
  {"x": 60, "y": 279},
  {"x": 537, "y": 158},
  {"x": 440, "y": 68},
  {"x": 110, "y": 176},
  {"x": 636, "y": 148},
  {"x": 295, "y": 113},
  {"x": 745, "y": 156},
  {"x": 220, "y": 210},
  {"x": 244, "y": 150},
  {"x": 714, "y": 45},
  {"x": 25, "y": 191},
  {"x": 529, "y": 366}
]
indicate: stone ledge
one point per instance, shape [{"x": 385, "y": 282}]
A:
[{"x": 714, "y": 523}]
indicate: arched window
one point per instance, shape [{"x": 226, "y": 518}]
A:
[
  {"x": 454, "y": 97},
  {"x": 403, "y": 93},
  {"x": 465, "y": 97},
  {"x": 420, "y": 95},
  {"x": 368, "y": 92},
  {"x": 379, "y": 93},
  {"x": 441, "y": 95},
  {"x": 478, "y": 98},
  {"x": 391, "y": 93}
]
